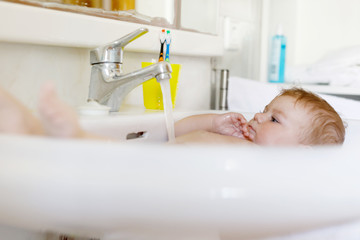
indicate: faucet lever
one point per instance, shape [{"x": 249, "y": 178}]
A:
[{"x": 113, "y": 52}]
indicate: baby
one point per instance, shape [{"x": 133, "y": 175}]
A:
[
  {"x": 294, "y": 117},
  {"x": 56, "y": 119}
]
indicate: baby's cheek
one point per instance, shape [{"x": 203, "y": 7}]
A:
[{"x": 262, "y": 138}]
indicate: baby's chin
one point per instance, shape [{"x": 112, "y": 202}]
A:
[
  {"x": 264, "y": 141},
  {"x": 270, "y": 143}
]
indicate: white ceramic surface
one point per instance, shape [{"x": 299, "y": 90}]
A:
[
  {"x": 137, "y": 190},
  {"x": 131, "y": 121}
]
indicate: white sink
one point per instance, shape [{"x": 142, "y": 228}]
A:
[
  {"x": 139, "y": 125},
  {"x": 135, "y": 127},
  {"x": 136, "y": 190}
]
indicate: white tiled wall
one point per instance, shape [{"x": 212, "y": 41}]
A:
[
  {"x": 25, "y": 67},
  {"x": 314, "y": 28},
  {"x": 246, "y": 15},
  {"x": 34, "y": 51}
]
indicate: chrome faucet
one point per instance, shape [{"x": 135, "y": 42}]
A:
[{"x": 108, "y": 84}]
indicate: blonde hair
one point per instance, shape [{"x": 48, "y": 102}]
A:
[{"x": 326, "y": 127}]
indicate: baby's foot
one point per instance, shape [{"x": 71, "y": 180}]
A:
[
  {"x": 16, "y": 118},
  {"x": 59, "y": 119}
]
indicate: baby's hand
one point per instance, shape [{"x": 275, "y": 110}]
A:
[{"x": 231, "y": 124}]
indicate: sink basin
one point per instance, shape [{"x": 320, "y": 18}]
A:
[
  {"x": 140, "y": 189},
  {"x": 138, "y": 126}
]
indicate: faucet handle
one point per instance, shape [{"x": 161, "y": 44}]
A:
[{"x": 113, "y": 52}]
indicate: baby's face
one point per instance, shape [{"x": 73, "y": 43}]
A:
[{"x": 281, "y": 123}]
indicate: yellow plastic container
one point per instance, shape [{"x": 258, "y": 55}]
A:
[{"x": 153, "y": 98}]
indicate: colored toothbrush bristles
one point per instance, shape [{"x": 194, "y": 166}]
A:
[
  {"x": 168, "y": 41},
  {"x": 162, "y": 42}
]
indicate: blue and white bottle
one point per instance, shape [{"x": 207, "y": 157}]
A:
[{"x": 277, "y": 57}]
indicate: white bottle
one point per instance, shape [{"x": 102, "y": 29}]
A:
[{"x": 277, "y": 57}]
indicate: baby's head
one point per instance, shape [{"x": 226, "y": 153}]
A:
[
  {"x": 297, "y": 117},
  {"x": 326, "y": 126}
]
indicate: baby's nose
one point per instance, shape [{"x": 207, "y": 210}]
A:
[{"x": 259, "y": 117}]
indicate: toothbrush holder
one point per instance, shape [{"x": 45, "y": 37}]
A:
[{"x": 153, "y": 98}]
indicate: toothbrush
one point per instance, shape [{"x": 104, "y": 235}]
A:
[
  {"x": 162, "y": 42},
  {"x": 168, "y": 41}
]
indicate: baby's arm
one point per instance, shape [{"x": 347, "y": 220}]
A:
[
  {"x": 231, "y": 124},
  {"x": 205, "y": 137},
  {"x": 193, "y": 123}
]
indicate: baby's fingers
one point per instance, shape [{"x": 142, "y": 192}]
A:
[
  {"x": 241, "y": 118},
  {"x": 245, "y": 130}
]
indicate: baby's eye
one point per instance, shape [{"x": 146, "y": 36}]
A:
[{"x": 274, "y": 120}]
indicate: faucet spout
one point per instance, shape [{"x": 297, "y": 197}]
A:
[{"x": 109, "y": 86}]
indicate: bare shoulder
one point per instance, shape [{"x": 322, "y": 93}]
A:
[{"x": 201, "y": 136}]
